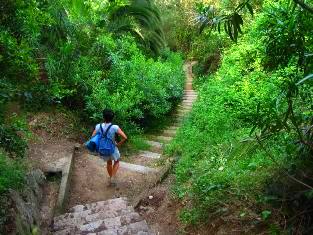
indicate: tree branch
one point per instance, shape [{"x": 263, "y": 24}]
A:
[
  {"x": 304, "y": 5},
  {"x": 283, "y": 169}
]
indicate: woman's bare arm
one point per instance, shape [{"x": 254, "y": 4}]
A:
[
  {"x": 122, "y": 134},
  {"x": 94, "y": 133}
]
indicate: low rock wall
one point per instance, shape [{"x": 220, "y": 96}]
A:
[{"x": 26, "y": 204}]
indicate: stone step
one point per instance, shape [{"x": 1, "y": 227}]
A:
[
  {"x": 130, "y": 164},
  {"x": 190, "y": 95},
  {"x": 128, "y": 224},
  {"x": 181, "y": 114},
  {"x": 149, "y": 154},
  {"x": 114, "y": 206},
  {"x": 137, "y": 168},
  {"x": 179, "y": 120},
  {"x": 188, "y": 87},
  {"x": 169, "y": 133},
  {"x": 173, "y": 128},
  {"x": 183, "y": 110},
  {"x": 88, "y": 216},
  {"x": 155, "y": 146},
  {"x": 142, "y": 161},
  {"x": 163, "y": 139},
  {"x": 131, "y": 167},
  {"x": 183, "y": 107},
  {"x": 113, "y": 216},
  {"x": 186, "y": 105},
  {"x": 187, "y": 102},
  {"x": 190, "y": 92},
  {"x": 116, "y": 203},
  {"x": 189, "y": 99}
]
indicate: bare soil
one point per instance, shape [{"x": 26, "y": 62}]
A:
[
  {"x": 160, "y": 209},
  {"x": 90, "y": 181},
  {"x": 52, "y": 143}
]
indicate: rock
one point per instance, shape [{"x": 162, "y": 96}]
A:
[
  {"x": 150, "y": 197},
  {"x": 110, "y": 217},
  {"x": 34, "y": 180},
  {"x": 23, "y": 216},
  {"x": 26, "y": 203},
  {"x": 77, "y": 146}
]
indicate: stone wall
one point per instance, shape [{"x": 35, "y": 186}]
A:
[{"x": 26, "y": 204}]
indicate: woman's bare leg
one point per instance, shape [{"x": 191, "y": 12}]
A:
[
  {"x": 115, "y": 167},
  {"x": 110, "y": 168}
]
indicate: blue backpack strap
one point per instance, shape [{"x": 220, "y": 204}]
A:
[
  {"x": 101, "y": 130},
  {"x": 107, "y": 130}
]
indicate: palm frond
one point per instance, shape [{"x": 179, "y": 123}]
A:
[{"x": 143, "y": 20}]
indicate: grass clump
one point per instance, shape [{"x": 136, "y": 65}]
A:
[{"x": 11, "y": 173}]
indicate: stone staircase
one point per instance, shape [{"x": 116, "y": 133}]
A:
[
  {"x": 116, "y": 216},
  {"x": 110, "y": 217}
]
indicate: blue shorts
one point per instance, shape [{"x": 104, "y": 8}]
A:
[{"x": 115, "y": 156}]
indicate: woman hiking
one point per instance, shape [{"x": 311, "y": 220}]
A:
[{"x": 109, "y": 130}]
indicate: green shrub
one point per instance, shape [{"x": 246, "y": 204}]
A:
[
  {"x": 221, "y": 162},
  {"x": 136, "y": 87},
  {"x": 11, "y": 173}
]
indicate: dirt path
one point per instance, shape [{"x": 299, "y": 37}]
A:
[{"x": 135, "y": 177}]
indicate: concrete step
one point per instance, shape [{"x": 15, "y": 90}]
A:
[
  {"x": 173, "y": 127},
  {"x": 188, "y": 86},
  {"x": 149, "y": 154},
  {"x": 137, "y": 168},
  {"x": 163, "y": 139},
  {"x": 155, "y": 146},
  {"x": 189, "y": 99},
  {"x": 186, "y": 105},
  {"x": 181, "y": 115},
  {"x": 183, "y": 107},
  {"x": 190, "y": 92},
  {"x": 183, "y": 110},
  {"x": 145, "y": 158},
  {"x": 187, "y": 102},
  {"x": 130, "y": 164},
  {"x": 170, "y": 133}
]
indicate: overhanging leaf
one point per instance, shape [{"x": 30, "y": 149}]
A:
[{"x": 305, "y": 79}]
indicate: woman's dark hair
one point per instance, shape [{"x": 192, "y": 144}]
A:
[{"x": 108, "y": 115}]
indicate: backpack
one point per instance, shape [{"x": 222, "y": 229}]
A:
[
  {"x": 106, "y": 144},
  {"x": 93, "y": 144}
]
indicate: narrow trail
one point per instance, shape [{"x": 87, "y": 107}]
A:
[{"x": 95, "y": 208}]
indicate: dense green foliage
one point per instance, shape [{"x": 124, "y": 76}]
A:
[
  {"x": 11, "y": 174},
  {"x": 251, "y": 123},
  {"x": 59, "y": 52},
  {"x": 247, "y": 144},
  {"x": 137, "y": 87},
  {"x": 84, "y": 56}
]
